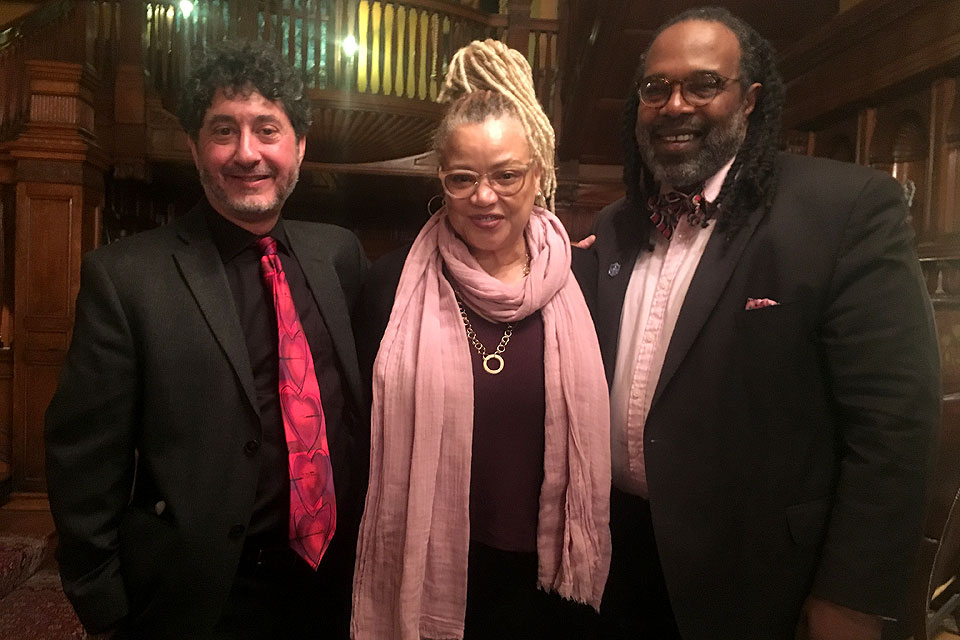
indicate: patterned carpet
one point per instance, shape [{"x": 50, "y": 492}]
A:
[
  {"x": 20, "y": 556},
  {"x": 32, "y": 604},
  {"x": 38, "y": 610}
]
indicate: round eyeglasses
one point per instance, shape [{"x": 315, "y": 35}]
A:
[
  {"x": 697, "y": 89},
  {"x": 463, "y": 183}
]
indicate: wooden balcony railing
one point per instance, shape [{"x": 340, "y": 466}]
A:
[
  {"x": 13, "y": 90},
  {"x": 544, "y": 62},
  {"x": 390, "y": 48},
  {"x": 397, "y": 48},
  {"x": 61, "y": 30},
  {"x": 18, "y": 43}
]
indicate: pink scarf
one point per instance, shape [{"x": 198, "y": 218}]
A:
[{"x": 411, "y": 572}]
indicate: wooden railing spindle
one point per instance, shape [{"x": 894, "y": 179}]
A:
[
  {"x": 381, "y": 48},
  {"x": 405, "y": 46},
  {"x": 401, "y": 74},
  {"x": 433, "y": 57},
  {"x": 365, "y": 42},
  {"x": 306, "y": 34},
  {"x": 291, "y": 34}
]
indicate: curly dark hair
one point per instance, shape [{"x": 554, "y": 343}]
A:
[
  {"x": 238, "y": 67},
  {"x": 751, "y": 182}
]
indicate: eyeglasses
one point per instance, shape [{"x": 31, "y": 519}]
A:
[
  {"x": 463, "y": 183},
  {"x": 697, "y": 89}
]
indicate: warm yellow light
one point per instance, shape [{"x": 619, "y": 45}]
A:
[
  {"x": 350, "y": 46},
  {"x": 186, "y": 7}
]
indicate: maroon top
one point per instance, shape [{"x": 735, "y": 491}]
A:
[{"x": 508, "y": 416}]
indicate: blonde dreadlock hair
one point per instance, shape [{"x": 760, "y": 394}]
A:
[{"x": 490, "y": 80}]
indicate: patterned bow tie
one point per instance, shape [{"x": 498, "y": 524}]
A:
[{"x": 666, "y": 209}]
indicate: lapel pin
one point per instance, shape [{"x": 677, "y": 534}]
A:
[{"x": 613, "y": 270}]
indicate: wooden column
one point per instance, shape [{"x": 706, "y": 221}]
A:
[
  {"x": 247, "y": 21},
  {"x": 866, "y": 125},
  {"x": 129, "y": 96},
  {"x": 943, "y": 169},
  {"x": 59, "y": 198},
  {"x": 518, "y": 25},
  {"x": 7, "y": 210}
]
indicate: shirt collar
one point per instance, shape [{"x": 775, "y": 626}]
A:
[
  {"x": 711, "y": 188},
  {"x": 231, "y": 239}
]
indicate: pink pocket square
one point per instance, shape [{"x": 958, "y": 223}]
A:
[{"x": 760, "y": 303}]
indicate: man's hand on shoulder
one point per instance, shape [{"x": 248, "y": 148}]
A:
[
  {"x": 586, "y": 242},
  {"x": 824, "y": 620}
]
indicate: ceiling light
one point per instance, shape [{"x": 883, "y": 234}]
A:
[{"x": 350, "y": 46}]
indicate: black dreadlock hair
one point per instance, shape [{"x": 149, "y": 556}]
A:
[{"x": 751, "y": 181}]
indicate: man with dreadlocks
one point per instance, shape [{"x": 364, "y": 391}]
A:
[{"x": 771, "y": 357}]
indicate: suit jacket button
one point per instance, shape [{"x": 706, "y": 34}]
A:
[
  {"x": 160, "y": 507},
  {"x": 236, "y": 531},
  {"x": 251, "y": 447}
]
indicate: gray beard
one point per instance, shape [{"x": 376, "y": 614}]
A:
[
  {"x": 719, "y": 145},
  {"x": 248, "y": 212}
]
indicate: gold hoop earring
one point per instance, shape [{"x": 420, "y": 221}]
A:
[{"x": 430, "y": 210}]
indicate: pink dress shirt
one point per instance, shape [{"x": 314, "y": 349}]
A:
[{"x": 651, "y": 306}]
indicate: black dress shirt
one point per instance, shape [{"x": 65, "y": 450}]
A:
[{"x": 258, "y": 320}]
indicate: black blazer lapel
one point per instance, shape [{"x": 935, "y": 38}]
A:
[
  {"x": 201, "y": 267},
  {"x": 711, "y": 277},
  {"x": 325, "y": 286},
  {"x": 615, "y": 264}
]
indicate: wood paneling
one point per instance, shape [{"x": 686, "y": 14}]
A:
[
  {"x": 6, "y": 408},
  {"x": 49, "y": 243},
  {"x": 59, "y": 196},
  {"x": 885, "y": 76},
  {"x": 874, "y": 49},
  {"x": 901, "y": 147}
]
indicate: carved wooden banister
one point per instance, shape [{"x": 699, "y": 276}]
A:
[
  {"x": 19, "y": 41},
  {"x": 543, "y": 57},
  {"x": 72, "y": 31},
  {"x": 397, "y": 48}
]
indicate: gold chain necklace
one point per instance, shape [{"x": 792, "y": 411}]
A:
[{"x": 497, "y": 356}]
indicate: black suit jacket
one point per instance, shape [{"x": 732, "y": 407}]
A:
[
  {"x": 787, "y": 448},
  {"x": 150, "y": 482}
]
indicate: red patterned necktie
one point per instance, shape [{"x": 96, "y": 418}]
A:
[{"x": 313, "y": 508}]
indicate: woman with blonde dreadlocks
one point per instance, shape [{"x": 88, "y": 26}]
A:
[{"x": 487, "y": 512}]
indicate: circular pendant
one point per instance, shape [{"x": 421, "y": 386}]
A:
[{"x": 498, "y": 364}]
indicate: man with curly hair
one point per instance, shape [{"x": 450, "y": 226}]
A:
[
  {"x": 772, "y": 362},
  {"x": 203, "y": 471}
]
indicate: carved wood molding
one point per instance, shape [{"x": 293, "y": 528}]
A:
[
  {"x": 847, "y": 66},
  {"x": 8, "y": 165},
  {"x": 55, "y": 224},
  {"x": 846, "y": 29},
  {"x": 61, "y": 123},
  {"x": 420, "y": 165},
  {"x": 61, "y": 93}
]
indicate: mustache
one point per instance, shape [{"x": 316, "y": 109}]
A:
[
  {"x": 670, "y": 124},
  {"x": 246, "y": 173}
]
